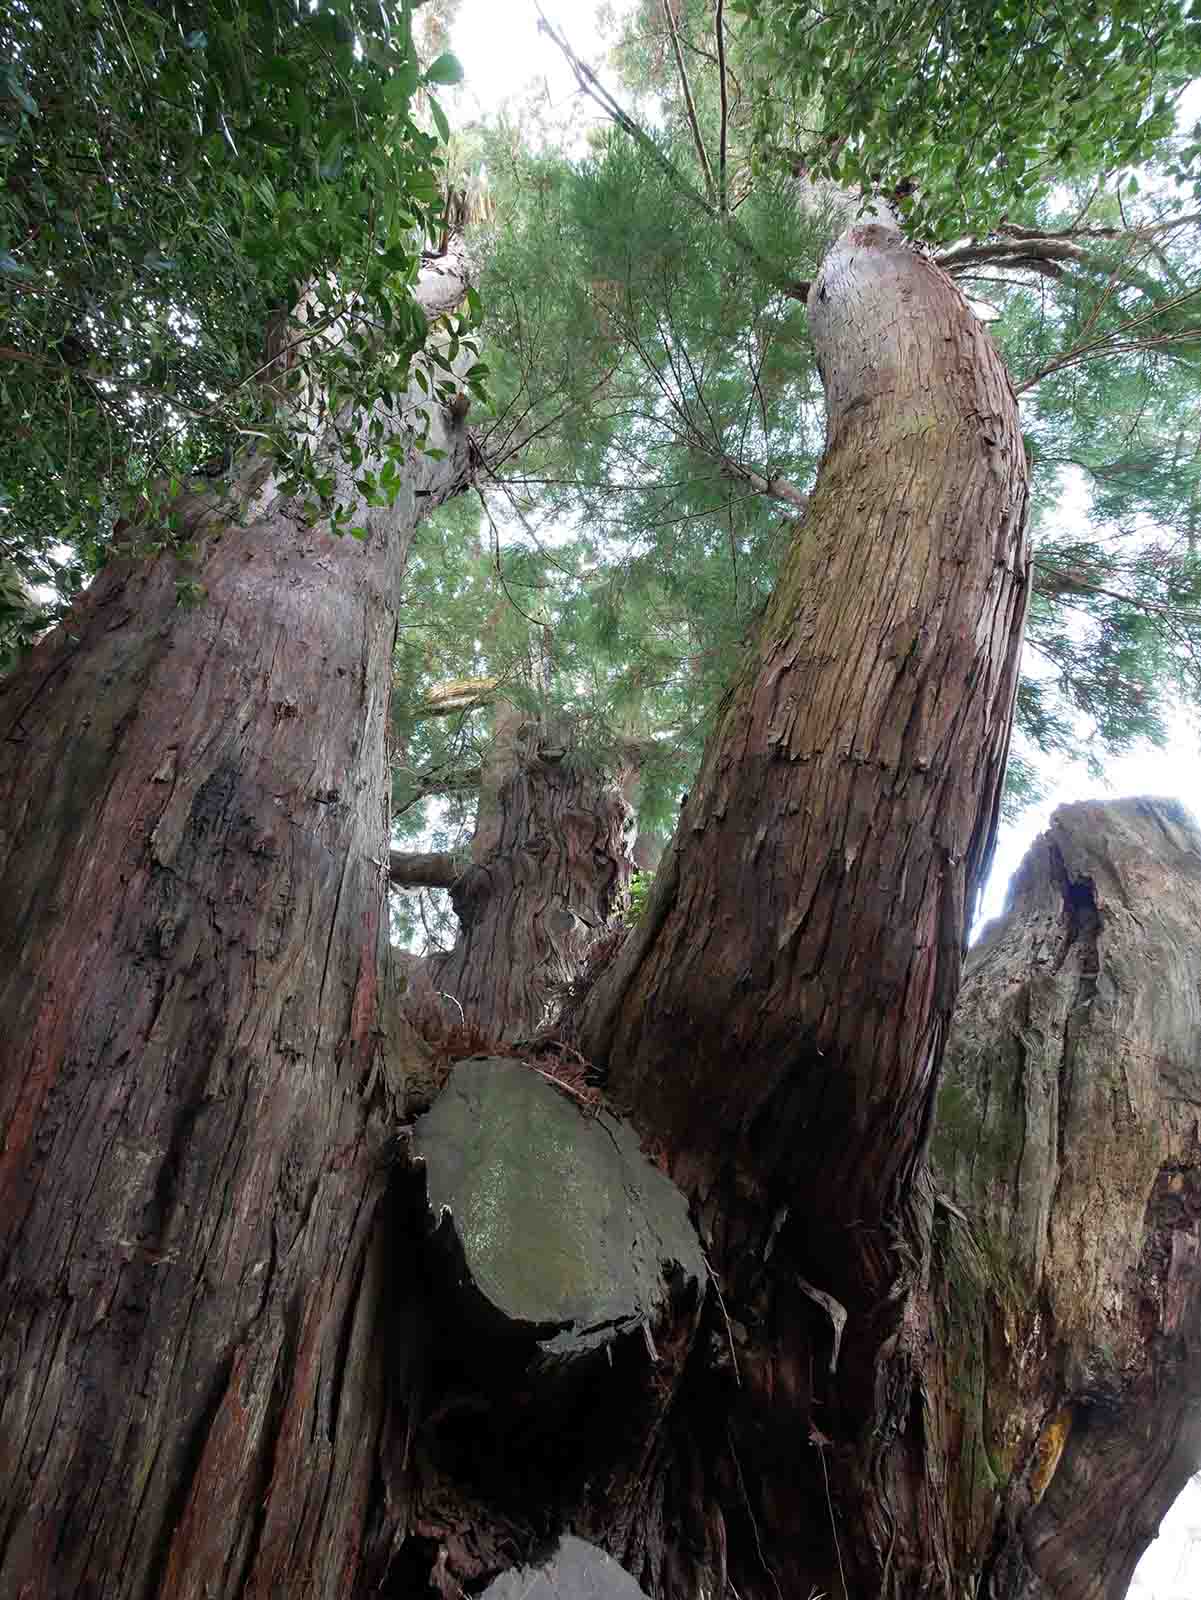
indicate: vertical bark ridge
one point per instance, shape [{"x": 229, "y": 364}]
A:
[
  {"x": 778, "y": 1017},
  {"x": 1063, "y": 1378}
]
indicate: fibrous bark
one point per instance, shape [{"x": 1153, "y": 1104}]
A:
[
  {"x": 778, "y": 1017},
  {"x": 193, "y": 811},
  {"x": 230, "y": 1365}
]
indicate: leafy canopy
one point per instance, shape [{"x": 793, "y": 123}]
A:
[
  {"x": 207, "y": 214},
  {"x": 656, "y": 381},
  {"x": 961, "y": 110}
]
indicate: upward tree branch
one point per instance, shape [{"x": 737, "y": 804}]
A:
[
  {"x": 689, "y": 104},
  {"x": 723, "y": 193}
]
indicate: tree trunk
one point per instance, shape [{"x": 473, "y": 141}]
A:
[
  {"x": 550, "y": 864},
  {"x": 845, "y": 810},
  {"x": 193, "y": 814},
  {"x": 231, "y": 1363},
  {"x": 1062, "y": 1385},
  {"x": 779, "y": 1017}
]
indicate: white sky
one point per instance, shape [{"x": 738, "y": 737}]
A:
[
  {"x": 503, "y": 53},
  {"x": 506, "y": 58}
]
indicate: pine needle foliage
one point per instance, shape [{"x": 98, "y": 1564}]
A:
[{"x": 655, "y": 383}]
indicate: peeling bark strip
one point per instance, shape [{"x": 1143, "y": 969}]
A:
[
  {"x": 194, "y": 812},
  {"x": 846, "y": 807},
  {"x": 1063, "y": 1386}
]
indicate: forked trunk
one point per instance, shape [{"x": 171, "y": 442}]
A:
[{"x": 229, "y": 1364}]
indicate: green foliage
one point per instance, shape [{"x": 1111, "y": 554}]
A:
[
  {"x": 649, "y": 375},
  {"x": 641, "y": 885},
  {"x": 963, "y": 110},
  {"x": 1115, "y": 624},
  {"x": 210, "y": 216},
  {"x": 639, "y": 382}
]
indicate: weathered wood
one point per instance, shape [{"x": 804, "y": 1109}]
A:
[
  {"x": 458, "y": 694},
  {"x": 550, "y": 864},
  {"x": 1063, "y": 1389},
  {"x": 575, "y": 1570}
]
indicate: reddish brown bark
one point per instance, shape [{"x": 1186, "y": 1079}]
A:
[
  {"x": 777, "y": 1021},
  {"x": 846, "y": 805},
  {"x": 227, "y": 1365},
  {"x": 194, "y": 815}
]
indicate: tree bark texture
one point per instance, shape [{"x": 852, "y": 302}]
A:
[
  {"x": 777, "y": 1020},
  {"x": 193, "y": 805},
  {"x": 550, "y": 865},
  {"x": 1039, "y": 1359},
  {"x": 229, "y": 1367},
  {"x": 424, "y": 869},
  {"x": 1063, "y": 1376},
  {"x": 846, "y": 806}
]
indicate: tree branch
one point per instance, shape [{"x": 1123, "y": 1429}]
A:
[
  {"x": 437, "y": 869},
  {"x": 775, "y": 488},
  {"x": 1026, "y": 249},
  {"x": 1071, "y": 584},
  {"x": 723, "y": 197},
  {"x": 693, "y": 122},
  {"x": 1113, "y": 341},
  {"x": 591, "y": 85},
  {"x": 457, "y": 694}
]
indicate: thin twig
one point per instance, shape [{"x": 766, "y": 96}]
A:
[
  {"x": 590, "y": 1101},
  {"x": 746, "y": 1501},
  {"x": 1177, "y": 613},
  {"x": 689, "y": 104},
  {"x": 820, "y": 1441},
  {"x": 723, "y": 198}
]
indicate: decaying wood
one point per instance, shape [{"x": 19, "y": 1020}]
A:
[{"x": 550, "y": 1225}]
